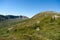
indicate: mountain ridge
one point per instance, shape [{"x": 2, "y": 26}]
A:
[{"x": 2, "y": 17}]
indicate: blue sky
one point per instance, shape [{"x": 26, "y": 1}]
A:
[{"x": 28, "y": 7}]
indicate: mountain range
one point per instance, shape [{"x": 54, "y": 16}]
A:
[{"x": 2, "y": 17}]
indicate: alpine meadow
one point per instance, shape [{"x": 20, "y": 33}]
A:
[{"x": 29, "y": 19}]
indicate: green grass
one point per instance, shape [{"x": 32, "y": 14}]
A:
[{"x": 26, "y": 30}]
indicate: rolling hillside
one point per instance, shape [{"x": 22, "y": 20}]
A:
[{"x": 43, "y": 26}]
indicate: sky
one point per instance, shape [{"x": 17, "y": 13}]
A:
[{"x": 28, "y": 8}]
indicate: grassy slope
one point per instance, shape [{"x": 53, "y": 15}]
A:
[
  {"x": 49, "y": 28},
  {"x": 4, "y": 25}
]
